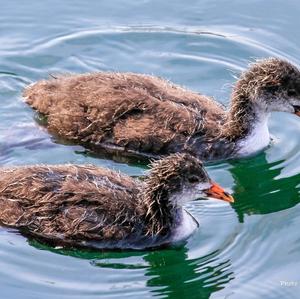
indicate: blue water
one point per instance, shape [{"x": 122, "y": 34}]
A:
[{"x": 250, "y": 249}]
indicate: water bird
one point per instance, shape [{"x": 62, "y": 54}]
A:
[
  {"x": 89, "y": 206},
  {"x": 146, "y": 116}
]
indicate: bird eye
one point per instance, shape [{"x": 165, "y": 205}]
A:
[
  {"x": 292, "y": 92},
  {"x": 193, "y": 179}
]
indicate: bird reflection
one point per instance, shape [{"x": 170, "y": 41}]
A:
[
  {"x": 169, "y": 272},
  {"x": 257, "y": 189},
  {"x": 172, "y": 275}
]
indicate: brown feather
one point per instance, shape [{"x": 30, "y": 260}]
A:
[
  {"x": 75, "y": 204},
  {"x": 135, "y": 112},
  {"x": 149, "y": 116}
]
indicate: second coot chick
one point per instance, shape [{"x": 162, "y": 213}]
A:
[{"x": 89, "y": 206}]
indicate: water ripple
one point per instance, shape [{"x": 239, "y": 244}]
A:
[{"x": 240, "y": 251}]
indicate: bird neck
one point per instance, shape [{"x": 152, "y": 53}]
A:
[
  {"x": 159, "y": 208},
  {"x": 247, "y": 120}
]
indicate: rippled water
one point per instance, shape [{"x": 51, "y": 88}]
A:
[{"x": 245, "y": 250}]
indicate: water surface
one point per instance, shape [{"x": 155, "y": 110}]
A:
[{"x": 245, "y": 250}]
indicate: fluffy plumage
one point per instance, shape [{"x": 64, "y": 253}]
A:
[
  {"x": 96, "y": 207},
  {"x": 148, "y": 116}
]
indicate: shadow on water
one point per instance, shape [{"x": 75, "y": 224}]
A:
[
  {"x": 259, "y": 189},
  {"x": 169, "y": 272}
]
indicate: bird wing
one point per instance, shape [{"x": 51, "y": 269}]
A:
[
  {"x": 68, "y": 202},
  {"x": 137, "y": 112}
]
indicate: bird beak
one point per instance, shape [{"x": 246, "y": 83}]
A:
[
  {"x": 218, "y": 192},
  {"x": 297, "y": 110}
]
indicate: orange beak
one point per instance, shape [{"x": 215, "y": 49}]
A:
[
  {"x": 218, "y": 192},
  {"x": 297, "y": 113}
]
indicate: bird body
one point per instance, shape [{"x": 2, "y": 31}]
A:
[
  {"x": 84, "y": 205},
  {"x": 148, "y": 116},
  {"x": 124, "y": 112}
]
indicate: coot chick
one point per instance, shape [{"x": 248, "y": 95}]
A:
[
  {"x": 89, "y": 206},
  {"x": 145, "y": 116}
]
